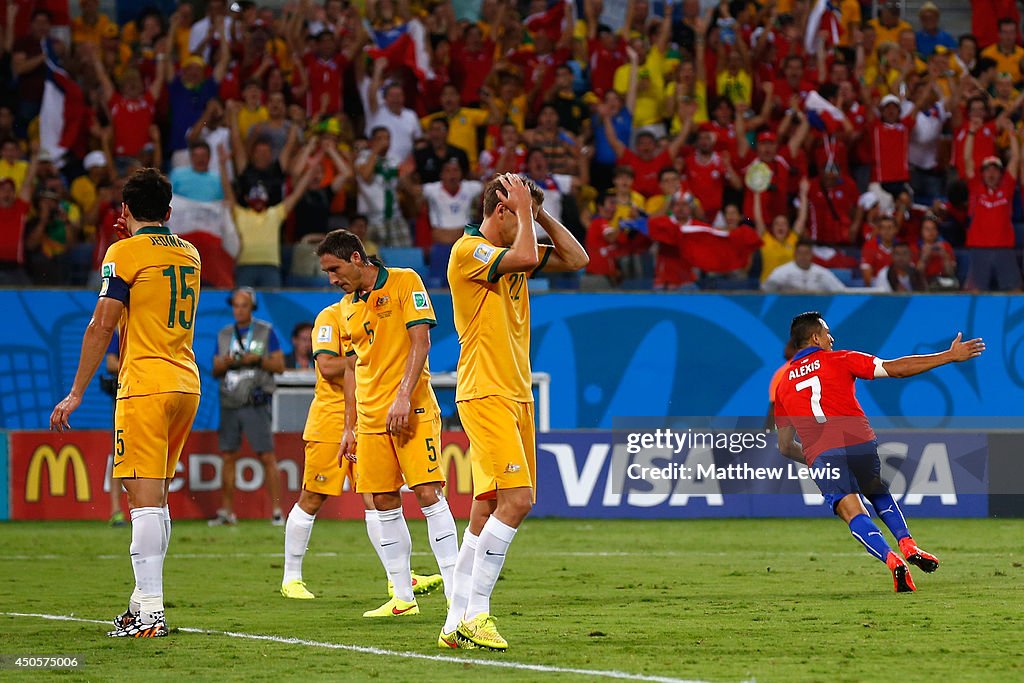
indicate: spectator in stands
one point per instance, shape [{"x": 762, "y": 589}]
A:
[
  {"x": 560, "y": 148},
  {"x": 301, "y": 355},
  {"x": 619, "y": 111},
  {"x": 833, "y": 201},
  {"x": 926, "y": 175},
  {"x": 672, "y": 270},
  {"x": 1006, "y": 52},
  {"x": 378, "y": 183},
  {"x": 12, "y": 165},
  {"x": 779, "y": 168},
  {"x": 507, "y": 156},
  {"x": 557, "y": 187},
  {"x": 990, "y": 236},
  {"x": 85, "y": 188},
  {"x": 802, "y": 274},
  {"x": 189, "y": 91},
  {"x": 902, "y": 275},
  {"x": 890, "y": 141},
  {"x": 648, "y": 159},
  {"x": 259, "y": 229},
  {"x": 209, "y": 33},
  {"x": 573, "y": 111},
  {"x": 451, "y": 203},
  {"x": 386, "y": 108},
  {"x": 877, "y": 251},
  {"x": 212, "y": 128},
  {"x": 28, "y": 64},
  {"x": 937, "y": 261},
  {"x": 888, "y": 25},
  {"x": 780, "y": 239},
  {"x": 705, "y": 171},
  {"x": 14, "y": 209},
  {"x": 433, "y": 156},
  {"x": 602, "y": 245},
  {"x": 259, "y": 167},
  {"x": 931, "y": 36},
  {"x": 463, "y": 124},
  {"x": 56, "y": 230}
]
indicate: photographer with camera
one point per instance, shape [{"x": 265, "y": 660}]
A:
[{"x": 248, "y": 356}]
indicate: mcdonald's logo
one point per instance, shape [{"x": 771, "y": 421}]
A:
[
  {"x": 57, "y": 467},
  {"x": 463, "y": 467}
]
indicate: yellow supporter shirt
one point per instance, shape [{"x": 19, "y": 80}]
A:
[
  {"x": 462, "y": 129},
  {"x": 82, "y": 32},
  {"x": 260, "y": 235},
  {"x": 700, "y": 94},
  {"x": 83, "y": 192},
  {"x": 375, "y": 330},
  {"x": 247, "y": 118},
  {"x": 492, "y": 318},
  {"x": 326, "y": 418},
  {"x": 775, "y": 253},
  {"x": 889, "y": 35},
  {"x": 15, "y": 172},
  {"x": 161, "y": 273},
  {"x": 850, "y": 12},
  {"x": 738, "y": 87},
  {"x": 1006, "y": 63}
]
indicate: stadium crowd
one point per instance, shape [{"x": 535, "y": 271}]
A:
[{"x": 788, "y": 145}]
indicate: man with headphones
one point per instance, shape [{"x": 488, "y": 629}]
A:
[{"x": 248, "y": 356}]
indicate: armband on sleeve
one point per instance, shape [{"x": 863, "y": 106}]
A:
[{"x": 114, "y": 288}]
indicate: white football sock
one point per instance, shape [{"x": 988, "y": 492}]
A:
[
  {"x": 444, "y": 540},
  {"x": 373, "y": 531},
  {"x": 463, "y": 581},
  {"x": 148, "y": 560},
  {"x": 396, "y": 546},
  {"x": 490, "y": 556},
  {"x": 296, "y": 539},
  {"x": 167, "y": 529}
]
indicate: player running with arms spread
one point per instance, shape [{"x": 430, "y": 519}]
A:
[
  {"x": 385, "y": 333},
  {"x": 324, "y": 473},
  {"x": 816, "y": 401},
  {"x": 150, "y": 288},
  {"x": 487, "y": 273}
]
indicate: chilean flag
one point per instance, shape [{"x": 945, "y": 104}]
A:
[
  {"x": 404, "y": 46},
  {"x": 824, "y": 16},
  {"x": 62, "y": 115},
  {"x": 549, "y": 22}
]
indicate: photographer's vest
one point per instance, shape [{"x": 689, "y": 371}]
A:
[{"x": 238, "y": 386}]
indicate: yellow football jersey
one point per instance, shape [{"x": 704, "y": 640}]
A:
[
  {"x": 326, "y": 419},
  {"x": 492, "y": 317},
  {"x": 160, "y": 271},
  {"x": 374, "y": 329}
]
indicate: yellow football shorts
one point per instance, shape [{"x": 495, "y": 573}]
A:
[
  {"x": 502, "y": 444},
  {"x": 385, "y": 462},
  {"x": 150, "y": 433},
  {"x": 321, "y": 473}
]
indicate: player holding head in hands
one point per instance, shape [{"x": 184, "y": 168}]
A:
[
  {"x": 150, "y": 288},
  {"x": 487, "y": 273},
  {"x": 816, "y": 401},
  {"x": 385, "y": 334}
]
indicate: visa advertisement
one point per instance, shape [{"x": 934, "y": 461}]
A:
[{"x": 582, "y": 475}]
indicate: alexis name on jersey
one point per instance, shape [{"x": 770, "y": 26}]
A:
[{"x": 799, "y": 372}]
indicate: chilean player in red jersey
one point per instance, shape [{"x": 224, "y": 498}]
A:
[{"x": 817, "y": 401}]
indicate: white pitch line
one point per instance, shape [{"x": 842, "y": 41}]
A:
[{"x": 448, "y": 659}]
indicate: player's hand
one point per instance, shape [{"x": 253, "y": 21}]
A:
[
  {"x": 965, "y": 350},
  {"x": 398, "y": 415},
  {"x": 62, "y": 411},
  {"x": 121, "y": 225},
  {"x": 517, "y": 195},
  {"x": 347, "y": 451}
]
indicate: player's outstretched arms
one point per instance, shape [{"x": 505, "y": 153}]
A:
[{"x": 908, "y": 366}]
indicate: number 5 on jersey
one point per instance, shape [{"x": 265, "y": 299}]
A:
[{"x": 814, "y": 384}]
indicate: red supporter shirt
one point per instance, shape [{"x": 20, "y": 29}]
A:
[
  {"x": 325, "y": 77},
  {"x": 131, "y": 120},
  {"x": 818, "y": 397},
  {"x": 671, "y": 269},
  {"x": 603, "y": 63},
  {"x": 890, "y": 145},
  {"x": 12, "y": 231},
  {"x": 725, "y": 140},
  {"x": 602, "y": 252},
  {"x": 985, "y": 16},
  {"x": 645, "y": 180},
  {"x": 471, "y": 69},
  {"x": 829, "y": 215},
  {"x": 984, "y": 146},
  {"x": 745, "y": 242},
  {"x": 991, "y": 213},
  {"x": 934, "y": 263},
  {"x": 706, "y": 181},
  {"x": 878, "y": 256}
]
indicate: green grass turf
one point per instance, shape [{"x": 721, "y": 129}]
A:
[{"x": 771, "y": 600}]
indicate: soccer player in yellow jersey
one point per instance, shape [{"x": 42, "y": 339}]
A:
[
  {"x": 487, "y": 274},
  {"x": 386, "y": 320},
  {"x": 150, "y": 288},
  {"x": 325, "y": 472}
]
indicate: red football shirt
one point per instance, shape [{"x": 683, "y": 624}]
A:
[
  {"x": 325, "y": 77},
  {"x": 991, "y": 212},
  {"x": 603, "y": 63},
  {"x": 774, "y": 199},
  {"x": 471, "y": 68},
  {"x": 131, "y": 120},
  {"x": 645, "y": 173},
  {"x": 890, "y": 144},
  {"x": 819, "y": 399},
  {"x": 706, "y": 181},
  {"x": 829, "y": 215},
  {"x": 984, "y": 146},
  {"x": 12, "y": 231},
  {"x": 671, "y": 268}
]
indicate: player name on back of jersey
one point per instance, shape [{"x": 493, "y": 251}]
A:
[
  {"x": 807, "y": 369},
  {"x": 166, "y": 241}
]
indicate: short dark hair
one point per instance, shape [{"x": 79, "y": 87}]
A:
[
  {"x": 199, "y": 144},
  {"x": 440, "y": 119},
  {"x": 667, "y": 169},
  {"x": 803, "y": 327},
  {"x": 377, "y": 129},
  {"x": 494, "y": 192},
  {"x": 623, "y": 171},
  {"x": 148, "y": 195},
  {"x": 1002, "y": 22},
  {"x": 300, "y": 326},
  {"x": 341, "y": 244}
]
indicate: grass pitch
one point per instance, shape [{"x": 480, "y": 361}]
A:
[{"x": 771, "y": 600}]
